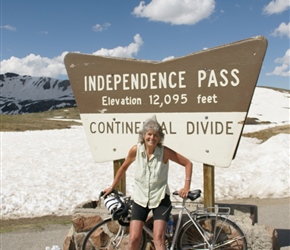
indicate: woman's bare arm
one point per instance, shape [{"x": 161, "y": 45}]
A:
[
  {"x": 170, "y": 154},
  {"x": 122, "y": 170}
]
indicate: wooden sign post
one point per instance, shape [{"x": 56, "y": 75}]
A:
[
  {"x": 208, "y": 185},
  {"x": 201, "y": 101},
  {"x": 121, "y": 186}
]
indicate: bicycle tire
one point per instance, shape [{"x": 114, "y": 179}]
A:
[
  {"x": 222, "y": 234},
  {"x": 110, "y": 228}
]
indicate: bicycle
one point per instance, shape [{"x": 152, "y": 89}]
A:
[{"x": 203, "y": 228}]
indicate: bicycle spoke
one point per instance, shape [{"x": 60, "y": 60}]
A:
[
  {"x": 225, "y": 235},
  {"x": 214, "y": 233}
]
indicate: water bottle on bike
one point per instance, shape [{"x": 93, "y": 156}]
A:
[{"x": 170, "y": 226}]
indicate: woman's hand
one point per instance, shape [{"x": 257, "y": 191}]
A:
[
  {"x": 107, "y": 191},
  {"x": 183, "y": 192}
]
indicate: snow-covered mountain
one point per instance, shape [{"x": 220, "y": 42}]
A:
[{"x": 27, "y": 94}]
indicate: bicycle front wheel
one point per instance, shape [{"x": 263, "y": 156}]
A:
[
  {"x": 215, "y": 232},
  {"x": 109, "y": 235}
]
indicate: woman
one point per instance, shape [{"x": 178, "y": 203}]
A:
[{"x": 151, "y": 191}]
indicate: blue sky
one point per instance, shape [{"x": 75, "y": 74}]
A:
[{"x": 37, "y": 34}]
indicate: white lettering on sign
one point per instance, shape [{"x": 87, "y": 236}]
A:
[
  {"x": 128, "y": 100},
  {"x": 207, "y": 99},
  {"x": 153, "y": 80},
  {"x": 160, "y": 80},
  {"x": 222, "y": 78},
  {"x": 167, "y": 99}
]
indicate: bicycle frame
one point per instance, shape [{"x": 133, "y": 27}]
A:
[
  {"x": 184, "y": 210},
  {"x": 200, "y": 218}
]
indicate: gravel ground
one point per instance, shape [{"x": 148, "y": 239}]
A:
[{"x": 34, "y": 239}]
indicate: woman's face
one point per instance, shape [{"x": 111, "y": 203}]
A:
[{"x": 151, "y": 138}]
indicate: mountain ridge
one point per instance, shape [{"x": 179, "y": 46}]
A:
[{"x": 27, "y": 94}]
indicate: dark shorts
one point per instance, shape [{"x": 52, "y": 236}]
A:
[{"x": 161, "y": 212}]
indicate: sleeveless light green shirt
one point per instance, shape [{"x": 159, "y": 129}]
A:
[{"x": 150, "y": 177}]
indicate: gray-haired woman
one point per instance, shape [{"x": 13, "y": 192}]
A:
[{"x": 151, "y": 190}]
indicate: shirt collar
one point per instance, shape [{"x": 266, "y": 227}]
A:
[{"x": 156, "y": 152}]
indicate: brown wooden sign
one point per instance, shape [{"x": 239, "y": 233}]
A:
[{"x": 201, "y": 99}]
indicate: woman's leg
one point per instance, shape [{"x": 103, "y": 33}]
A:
[
  {"x": 159, "y": 234},
  {"x": 136, "y": 227},
  {"x": 160, "y": 216}
]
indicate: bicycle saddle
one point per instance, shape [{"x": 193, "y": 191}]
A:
[{"x": 192, "y": 195}]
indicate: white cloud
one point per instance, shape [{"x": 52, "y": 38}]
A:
[
  {"x": 175, "y": 11},
  {"x": 282, "y": 30},
  {"x": 128, "y": 52},
  {"x": 8, "y": 27},
  {"x": 284, "y": 68},
  {"x": 100, "y": 27},
  {"x": 276, "y": 7},
  {"x": 168, "y": 58},
  {"x": 35, "y": 65}
]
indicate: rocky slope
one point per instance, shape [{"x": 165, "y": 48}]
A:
[{"x": 27, "y": 94}]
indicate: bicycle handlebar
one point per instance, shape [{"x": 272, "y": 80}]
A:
[
  {"x": 117, "y": 211},
  {"x": 122, "y": 210}
]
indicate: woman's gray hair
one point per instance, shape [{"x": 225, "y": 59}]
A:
[{"x": 151, "y": 123}]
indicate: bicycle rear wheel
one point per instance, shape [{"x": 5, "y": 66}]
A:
[
  {"x": 219, "y": 232},
  {"x": 109, "y": 235}
]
